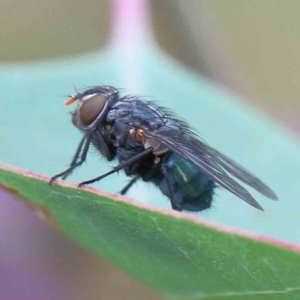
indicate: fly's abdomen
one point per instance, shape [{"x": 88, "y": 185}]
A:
[{"x": 192, "y": 190}]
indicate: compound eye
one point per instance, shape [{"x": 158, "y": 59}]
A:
[{"x": 91, "y": 108}]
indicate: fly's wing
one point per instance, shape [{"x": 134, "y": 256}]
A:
[
  {"x": 242, "y": 174},
  {"x": 177, "y": 136},
  {"x": 199, "y": 154}
]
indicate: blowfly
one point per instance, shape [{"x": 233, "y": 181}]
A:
[{"x": 153, "y": 144}]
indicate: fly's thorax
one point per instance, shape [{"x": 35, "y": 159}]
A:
[
  {"x": 142, "y": 120},
  {"x": 141, "y": 137},
  {"x": 117, "y": 133},
  {"x": 118, "y": 110},
  {"x": 136, "y": 113}
]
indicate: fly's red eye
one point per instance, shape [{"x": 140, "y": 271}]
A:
[{"x": 91, "y": 108}]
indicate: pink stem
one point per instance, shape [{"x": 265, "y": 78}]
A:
[{"x": 131, "y": 23}]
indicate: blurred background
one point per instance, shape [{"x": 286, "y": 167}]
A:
[{"x": 251, "y": 47}]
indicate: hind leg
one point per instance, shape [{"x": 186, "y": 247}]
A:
[
  {"x": 171, "y": 193},
  {"x": 127, "y": 187}
]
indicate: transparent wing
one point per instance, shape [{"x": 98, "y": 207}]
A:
[
  {"x": 242, "y": 174},
  {"x": 208, "y": 160},
  {"x": 209, "y": 163}
]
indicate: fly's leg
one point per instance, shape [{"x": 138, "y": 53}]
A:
[
  {"x": 119, "y": 167},
  {"x": 127, "y": 187},
  {"x": 77, "y": 164},
  {"x": 76, "y": 156},
  {"x": 171, "y": 194}
]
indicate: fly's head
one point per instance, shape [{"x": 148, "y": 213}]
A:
[{"x": 92, "y": 106}]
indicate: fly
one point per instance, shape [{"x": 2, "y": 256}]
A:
[{"x": 153, "y": 144}]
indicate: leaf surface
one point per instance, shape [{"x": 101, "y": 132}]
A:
[{"x": 177, "y": 255}]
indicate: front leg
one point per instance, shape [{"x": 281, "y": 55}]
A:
[
  {"x": 75, "y": 164},
  {"x": 76, "y": 156}
]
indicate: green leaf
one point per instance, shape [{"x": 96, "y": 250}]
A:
[{"x": 180, "y": 256}]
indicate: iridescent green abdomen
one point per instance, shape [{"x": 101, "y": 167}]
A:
[{"x": 192, "y": 190}]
